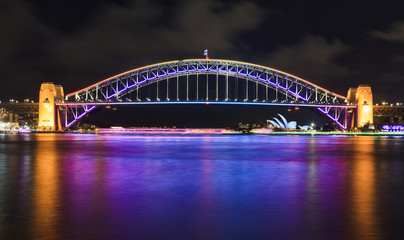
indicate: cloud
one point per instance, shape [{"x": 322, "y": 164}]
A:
[
  {"x": 143, "y": 32},
  {"x": 200, "y": 25},
  {"x": 21, "y": 35},
  {"x": 24, "y": 46},
  {"x": 312, "y": 58},
  {"x": 398, "y": 58},
  {"x": 119, "y": 33},
  {"x": 394, "y": 34},
  {"x": 115, "y": 38},
  {"x": 392, "y": 78}
]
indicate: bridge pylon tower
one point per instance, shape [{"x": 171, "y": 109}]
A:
[
  {"x": 48, "y": 117},
  {"x": 363, "y": 98}
]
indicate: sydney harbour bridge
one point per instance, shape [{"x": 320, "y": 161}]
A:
[{"x": 203, "y": 81}]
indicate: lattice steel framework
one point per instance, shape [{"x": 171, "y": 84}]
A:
[
  {"x": 338, "y": 115},
  {"x": 388, "y": 111},
  {"x": 293, "y": 89},
  {"x": 21, "y": 108}
]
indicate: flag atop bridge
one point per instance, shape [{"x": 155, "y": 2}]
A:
[{"x": 205, "y": 53}]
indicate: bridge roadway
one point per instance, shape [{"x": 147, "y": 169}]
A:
[
  {"x": 201, "y": 103},
  {"x": 32, "y": 108}
]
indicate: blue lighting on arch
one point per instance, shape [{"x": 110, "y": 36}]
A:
[
  {"x": 204, "y": 102},
  {"x": 209, "y": 70}
]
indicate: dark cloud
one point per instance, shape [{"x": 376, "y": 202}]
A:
[
  {"x": 392, "y": 78},
  {"x": 24, "y": 51},
  {"x": 194, "y": 26},
  {"x": 394, "y": 34},
  {"x": 129, "y": 31},
  {"x": 119, "y": 36},
  {"x": 312, "y": 58},
  {"x": 398, "y": 58},
  {"x": 77, "y": 46},
  {"x": 22, "y": 36}
]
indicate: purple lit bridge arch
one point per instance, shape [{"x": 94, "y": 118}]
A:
[{"x": 202, "y": 81}]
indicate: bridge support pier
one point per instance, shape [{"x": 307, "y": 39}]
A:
[
  {"x": 362, "y": 97},
  {"x": 48, "y": 116}
]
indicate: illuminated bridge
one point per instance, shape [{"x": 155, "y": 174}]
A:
[{"x": 202, "y": 81}]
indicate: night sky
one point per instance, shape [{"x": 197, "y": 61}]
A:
[{"x": 336, "y": 45}]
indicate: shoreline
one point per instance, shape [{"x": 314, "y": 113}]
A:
[
  {"x": 203, "y": 131},
  {"x": 334, "y": 133}
]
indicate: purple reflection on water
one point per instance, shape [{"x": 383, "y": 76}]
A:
[{"x": 200, "y": 187}]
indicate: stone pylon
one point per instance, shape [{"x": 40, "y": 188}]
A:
[
  {"x": 362, "y": 97},
  {"x": 48, "y": 117}
]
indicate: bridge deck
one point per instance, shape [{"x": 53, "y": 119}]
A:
[{"x": 204, "y": 102}]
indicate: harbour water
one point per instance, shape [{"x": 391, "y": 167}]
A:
[{"x": 87, "y": 186}]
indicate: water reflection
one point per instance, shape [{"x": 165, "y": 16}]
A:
[
  {"x": 199, "y": 187},
  {"x": 46, "y": 192},
  {"x": 312, "y": 193},
  {"x": 207, "y": 193},
  {"x": 365, "y": 225}
]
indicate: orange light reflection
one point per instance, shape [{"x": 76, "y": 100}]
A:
[
  {"x": 45, "y": 191},
  {"x": 363, "y": 190}
]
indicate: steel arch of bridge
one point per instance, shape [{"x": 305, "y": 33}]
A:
[{"x": 108, "y": 91}]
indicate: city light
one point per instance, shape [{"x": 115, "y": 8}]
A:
[{"x": 392, "y": 128}]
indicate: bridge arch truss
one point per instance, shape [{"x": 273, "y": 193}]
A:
[{"x": 241, "y": 83}]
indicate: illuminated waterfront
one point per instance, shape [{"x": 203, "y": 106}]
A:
[{"x": 85, "y": 186}]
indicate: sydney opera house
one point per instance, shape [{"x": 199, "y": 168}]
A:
[{"x": 283, "y": 124}]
